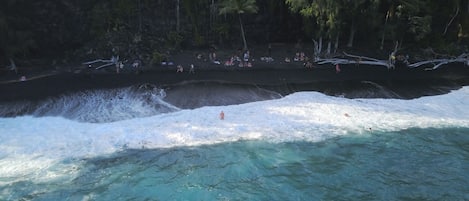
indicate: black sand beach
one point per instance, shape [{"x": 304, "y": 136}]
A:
[{"x": 283, "y": 78}]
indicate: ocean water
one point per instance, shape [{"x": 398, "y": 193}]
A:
[{"x": 142, "y": 143}]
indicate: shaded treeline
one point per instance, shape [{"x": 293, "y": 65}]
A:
[{"x": 63, "y": 31}]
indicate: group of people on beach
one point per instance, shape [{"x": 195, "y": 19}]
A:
[
  {"x": 243, "y": 58},
  {"x": 240, "y": 58},
  {"x": 235, "y": 59},
  {"x": 299, "y": 56},
  {"x": 180, "y": 69}
]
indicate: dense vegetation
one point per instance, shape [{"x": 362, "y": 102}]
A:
[{"x": 71, "y": 30}]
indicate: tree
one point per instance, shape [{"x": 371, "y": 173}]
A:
[
  {"x": 16, "y": 30},
  {"x": 415, "y": 17},
  {"x": 178, "y": 21},
  {"x": 239, "y": 7},
  {"x": 359, "y": 15},
  {"x": 327, "y": 15}
]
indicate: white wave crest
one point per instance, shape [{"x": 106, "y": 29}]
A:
[
  {"x": 98, "y": 106},
  {"x": 28, "y": 143}
]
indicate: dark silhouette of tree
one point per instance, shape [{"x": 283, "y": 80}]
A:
[
  {"x": 64, "y": 30},
  {"x": 239, "y": 7}
]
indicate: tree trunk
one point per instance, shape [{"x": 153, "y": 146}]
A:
[
  {"x": 328, "y": 51},
  {"x": 451, "y": 21},
  {"x": 396, "y": 46},
  {"x": 384, "y": 30},
  {"x": 212, "y": 14},
  {"x": 317, "y": 48},
  {"x": 352, "y": 34},
  {"x": 139, "y": 16},
  {"x": 178, "y": 24},
  {"x": 336, "y": 45},
  {"x": 245, "y": 44},
  {"x": 320, "y": 46}
]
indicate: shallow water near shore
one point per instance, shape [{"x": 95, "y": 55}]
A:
[{"x": 304, "y": 146}]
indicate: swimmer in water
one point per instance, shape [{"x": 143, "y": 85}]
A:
[{"x": 222, "y": 115}]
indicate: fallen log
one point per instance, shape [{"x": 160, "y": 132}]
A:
[
  {"x": 463, "y": 58},
  {"x": 109, "y": 62},
  {"x": 357, "y": 60}
]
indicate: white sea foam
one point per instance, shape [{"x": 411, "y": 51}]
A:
[
  {"x": 29, "y": 144},
  {"x": 97, "y": 106}
]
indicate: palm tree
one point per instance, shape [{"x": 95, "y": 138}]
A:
[{"x": 239, "y": 7}]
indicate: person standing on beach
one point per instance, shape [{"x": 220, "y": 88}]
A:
[
  {"x": 269, "y": 50},
  {"x": 12, "y": 66},
  {"x": 245, "y": 61},
  {"x": 118, "y": 65},
  {"x": 337, "y": 68},
  {"x": 246, "y": 56},
  {"x": 191, "y": 69},
  {"x": 136, "y": 65}
]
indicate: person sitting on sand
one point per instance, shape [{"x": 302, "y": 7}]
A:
[
  {"x": 236, "y": 58},
  {"x": 308, "y": 64},
  {"x": 230, "y": 62},
  {"x": 302, "y": 56},
  {"x": 136, "y": 63},
  {"x": 267, "y": 59},
  {"x": 180, "y": 69},
  {"x": 199, "y": 56},
  {"x": 212, "y": 56},
  {"x": 287, "y": 60},
  {"x": 297, "y": 57}
]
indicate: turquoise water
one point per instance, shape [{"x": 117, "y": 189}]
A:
[
  {"x": 304, "y": 146},
  {"x": 412, "y": 164}
]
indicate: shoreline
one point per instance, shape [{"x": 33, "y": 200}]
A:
[{"x": 274, "y": 76}]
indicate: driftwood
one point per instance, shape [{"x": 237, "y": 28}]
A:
[
  {"x": 356, "y": 60},
  {"x": 463, "y": 58},
  {"x": 113, "y": 61}
]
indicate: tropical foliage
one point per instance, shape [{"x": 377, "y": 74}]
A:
[
  {"x": 70, "y": 30},
  {"x": 239, "y": 7}
]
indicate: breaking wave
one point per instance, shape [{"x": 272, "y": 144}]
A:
[{"x": 98, "y": 106}]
